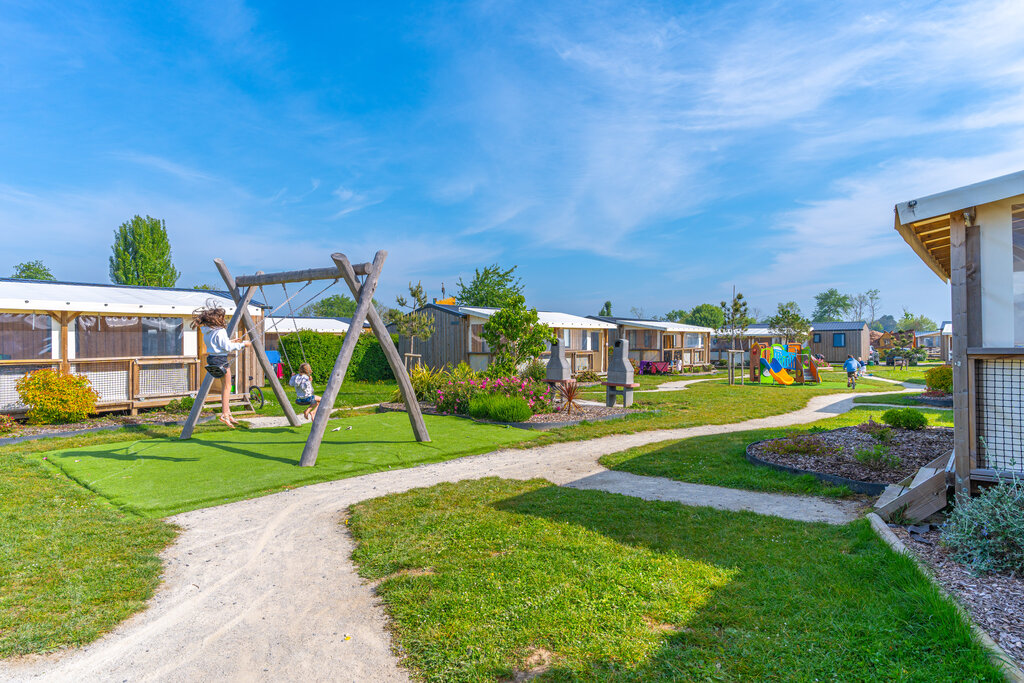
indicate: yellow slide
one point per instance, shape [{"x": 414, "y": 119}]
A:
[{"x": 778, "y": 373}]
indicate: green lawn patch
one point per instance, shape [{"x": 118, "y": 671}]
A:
[
  {"x": 71, "y": 566},
  {"x": 913, "y": 374},
  {"x": 350, "y": 395},
  {"x": 164, "y": 476},
  {"x": 486, "y": 579},
  {"x": 892, "y": 400},
  {"x": 720, "y": 459}
]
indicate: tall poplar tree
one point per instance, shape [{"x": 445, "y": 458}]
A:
[{"x": 142, "y": 254}]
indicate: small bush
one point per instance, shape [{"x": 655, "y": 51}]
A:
[
  {"x": 879, "y": 457},
  {"x": 986, "y": 532},
  {"x": 878, "y": 431},
  {"x": 587, "y": 376},
  {"x": 7, "y": 424},
  {"x": 499, "y": 408},
  {"x": 182, "y": 406},
  {"x": 940, "y": 378},
  {"x": 905, "y": 418},
  {"x": 535, "y": 370},
  {"x": 801, "y": 445},
  {"x": 56, "y": 398}
]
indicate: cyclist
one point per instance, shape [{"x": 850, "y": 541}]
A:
[{"x": 852, "y": 365}]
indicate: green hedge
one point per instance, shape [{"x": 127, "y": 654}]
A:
[{"x": 368, "y": 361}]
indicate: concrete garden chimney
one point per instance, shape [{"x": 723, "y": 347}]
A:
[
  {"x": 558, "y": 367},
  {"x": 620, "y": 370}
]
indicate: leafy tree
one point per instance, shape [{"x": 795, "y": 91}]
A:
[
  {"x": 789, "y": 323},
  {"x": 677, "y": 316},
  {"x": 333, "y": 306},
  {"x": 142, "y": 254},
  {"x": 412, "y": 324},
  {"x": 887, "y": 322},
  {"x": 638, "y": 312},
  {"x": 831, "y": 306},
  {"x": 492, "y": 287},
  {"x": 606, "y": 309},
  {"x": 876, "y": 326},
  {"x": 918, "y": 323},
  {"x": 705, "y": 315},
  {"x": 32, "y": 270},
  {"x": 203, "y": 286},
  {"x": 874, "y": 301},
  {"x": 515, "y": 335},
  {"x": 735, "y": 318}
]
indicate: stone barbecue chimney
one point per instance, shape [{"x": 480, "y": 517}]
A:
[
  {"x": 558, "y": 367},
  {"x": 620, "y": 370}
]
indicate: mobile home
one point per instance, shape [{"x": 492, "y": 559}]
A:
[
  {"x": 836, "y": 341},
  {"x": 133, "y": 343},
  {"x": 661, "y": 340}
]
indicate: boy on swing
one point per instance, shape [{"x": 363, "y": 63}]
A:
[
  {"x": 210, "y": 321},
  {"x": 304, "y": 396}
]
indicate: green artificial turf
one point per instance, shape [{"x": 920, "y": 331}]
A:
[
  {"x": 164, "y": 476},
  {"x": 720, "y": 459},
  {"x": 489, "y": 580},
  {"x": 71, "y": 566},
  {"x": 351, "y": 395}
]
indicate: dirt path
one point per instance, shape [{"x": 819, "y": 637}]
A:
[{"x": 264, "y": 589}]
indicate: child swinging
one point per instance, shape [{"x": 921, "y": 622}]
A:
[
  {"x": 304, "y": 396},
  {"x": 210, "y": 321}
]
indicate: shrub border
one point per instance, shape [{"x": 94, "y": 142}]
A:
[
  {"x": 866, "y": 487},
  {"x": 536, "y": 426}
]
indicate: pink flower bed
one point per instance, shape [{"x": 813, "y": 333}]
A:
[{"x": 454, "y": 397}]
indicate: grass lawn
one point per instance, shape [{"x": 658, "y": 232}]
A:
[
  {"x": 711, "y": 402},
  {"x": 893, "y": 400},
  {"x": 71, "y": 566},
  {"x": 720, "y": 459},
  {"x": 914, "y": 374},
  {"x": 484, "y": 579},
  {"x": 156, "y": 477}
]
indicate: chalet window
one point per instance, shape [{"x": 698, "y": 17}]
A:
[
  {"x": 477, "y": 343},
  {"x": 567, "y": 339},
  {"x": 693, "y": 340},
  {"x": 585, "y": 339},
  {"x": 112, "y": 336},
  {"x": 595, "y": 341},
  {"x": 817, "y": 337},
  {"x": 839, "y": 339},
  {"x": 25, "y": 336},
  {"x": 1017, "y": 216}
]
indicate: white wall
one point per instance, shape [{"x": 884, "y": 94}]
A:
[{"x": 997, "y": 327}]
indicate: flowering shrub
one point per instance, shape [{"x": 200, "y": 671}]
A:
[
  {"x": 55, "y": 397},
  {"x": 455, "y": 395},
  {"x": 7, "y": 424},
  {"x": 986, "y": 532}
]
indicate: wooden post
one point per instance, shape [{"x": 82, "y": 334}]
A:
[
  {"x": 412, "y": 405},
  {"x": 961, "y": 372},
  {"x": 364, "y": 302},
  {"x": 257, "y": 345}
]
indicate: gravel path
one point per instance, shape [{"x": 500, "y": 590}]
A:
[{"x": 264, "y": 590}]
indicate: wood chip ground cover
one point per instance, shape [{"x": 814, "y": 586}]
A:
[
  {"x": 615, "y": 588},
  {"x": 995, "y": 601},
  {"x": 915, "y": 448}
]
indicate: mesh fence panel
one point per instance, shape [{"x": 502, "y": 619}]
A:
[
  {"x": 163, "y": 380},
  {"x": 9, "y": 376},
  {"x": 110, "y": 379},
  {"x": 999, "y": 395}
]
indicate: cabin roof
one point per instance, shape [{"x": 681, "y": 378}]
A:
[
  {"x": 283, "y": 324},
  {"x": 924, "y": 223},
  {"x": 82, "y": 297},
  {"x": 549, "y": 318},
  {"x": 663, "y": 325},
  {"x": 838, "y": 327}
]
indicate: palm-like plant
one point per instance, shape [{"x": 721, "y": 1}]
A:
[{"x": 570, "y": 392}]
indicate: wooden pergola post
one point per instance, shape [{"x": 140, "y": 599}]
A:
[{"x": 961, "y": 369}]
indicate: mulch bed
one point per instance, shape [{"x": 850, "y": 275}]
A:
[
  {"x": 915, "y": 448},
  {"x": 107, "y": 421},
  {"x": 584, "y": 412},
  {"x": 994, "y": 601}
]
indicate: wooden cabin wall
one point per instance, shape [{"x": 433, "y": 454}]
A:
[{"x": 448, "y": 346}]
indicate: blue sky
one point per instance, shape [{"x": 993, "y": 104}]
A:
[{"x": 652, "y": 154}]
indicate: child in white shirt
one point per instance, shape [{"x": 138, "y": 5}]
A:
[
  {"x": 304, "y": 396},
  {"x": 210, "y": 321}
]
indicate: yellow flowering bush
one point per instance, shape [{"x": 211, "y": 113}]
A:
[{"x": 55, "y": 398}]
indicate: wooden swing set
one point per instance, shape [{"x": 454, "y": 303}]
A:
[{"x": 242, "y": 290}]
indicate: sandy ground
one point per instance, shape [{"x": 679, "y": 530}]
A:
[{"x": 264, "y": 590}]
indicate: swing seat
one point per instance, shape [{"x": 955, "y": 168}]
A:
[{"x": 216, "y": 371}]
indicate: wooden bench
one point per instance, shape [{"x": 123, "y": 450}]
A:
[{"x": 614, "y": 390}]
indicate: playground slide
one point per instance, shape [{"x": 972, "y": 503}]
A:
[{"x": 778, "y": 373}]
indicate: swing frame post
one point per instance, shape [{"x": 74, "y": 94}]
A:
[
  {"x": 364, "y": 302},
  {"x": 204, "y": 387},
  {"x": 257, "y": 345},
  {"x": 412, "y": 405}
]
